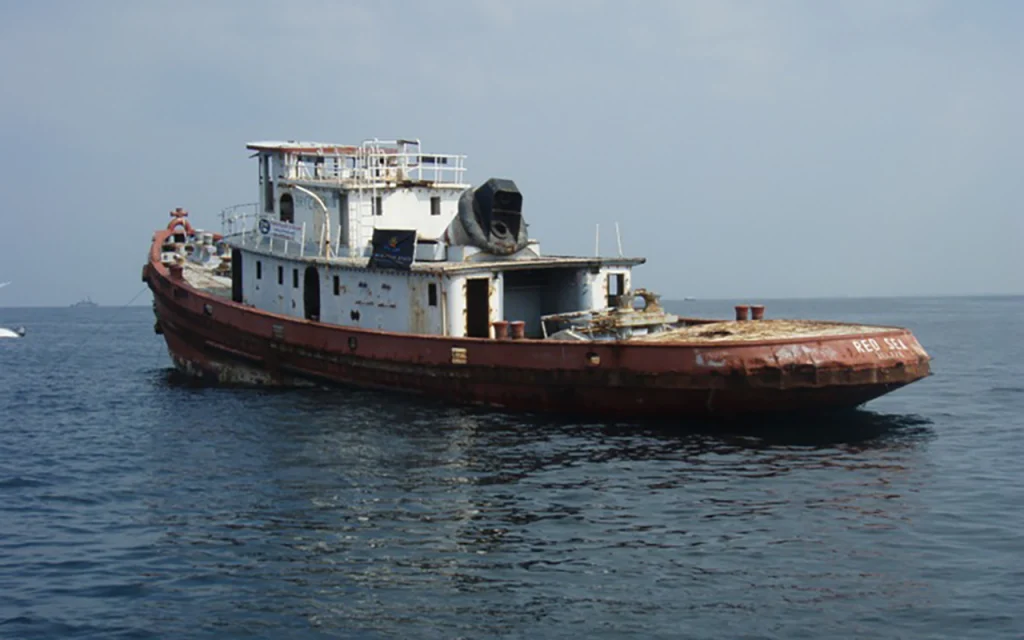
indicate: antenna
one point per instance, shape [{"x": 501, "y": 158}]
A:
[
  {"x": 618, "y": 238},
  {"x": 597, "y": 240}
]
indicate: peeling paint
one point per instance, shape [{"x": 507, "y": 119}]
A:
[{"x": 710, "y": 361}]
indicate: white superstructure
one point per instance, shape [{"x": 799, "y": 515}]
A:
[{"x": 382, "y": 235}]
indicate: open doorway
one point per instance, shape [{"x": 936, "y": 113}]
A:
[
  {"x": 287, "y": 208},
  {"x": 236, "y": 276},
  {"x": 616, "y": 287},
  {"x": 478, "y": 308},
  {"x": 528, "y": 294},
  {"x": 311, "y": 294}
]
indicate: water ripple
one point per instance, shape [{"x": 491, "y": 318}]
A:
[{"x": 135, "y": 505}]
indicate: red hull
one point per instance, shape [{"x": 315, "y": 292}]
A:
[{"x": 225, "y": 342}]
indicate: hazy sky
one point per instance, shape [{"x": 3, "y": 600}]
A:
[{"x": 759, "y": 148}]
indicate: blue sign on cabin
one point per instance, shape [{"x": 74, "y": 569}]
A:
[{"x": 393, "y": 249}]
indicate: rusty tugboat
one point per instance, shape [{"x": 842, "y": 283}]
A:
[{"x": 375, "y": 265}]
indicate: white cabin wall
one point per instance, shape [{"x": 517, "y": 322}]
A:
[
  {"x": 455, "y": 296},
  {"x": 343, "y": 219},
  {"x": 385, "y": 300},
  {"x": 409, "y": 208},
  {"x": 265, "y": 292},
  {"x": 402, "y": 208},
  {"x": 399, "y": 301},
  {"x": 497, "y": 300},
  {"x": 261, "y": 189},
  {"x": 598, "y": 285},
  {"x": 276, "y": 173},
  {"x": 455, "y": 299}
]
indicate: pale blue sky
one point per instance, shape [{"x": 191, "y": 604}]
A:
[{"x": 759, "y": 149}]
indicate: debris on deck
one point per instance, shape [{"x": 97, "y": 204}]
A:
[{"x": 750, "y": 330}]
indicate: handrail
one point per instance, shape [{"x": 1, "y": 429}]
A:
[
  {"x": 238, "y": 215},
  {"x": 372, "y": 164},
  {"x": 323, "y": 247}
]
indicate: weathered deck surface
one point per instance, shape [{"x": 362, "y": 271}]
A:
[
  {"x": 201, "y": 277},
  {"x": 752, "y": 330}
]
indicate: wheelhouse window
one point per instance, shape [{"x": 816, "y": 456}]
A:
[
  {"x": 259, "y": 270},
  {"x": 378, "y": 206},
  {"x": 280, "y": 274},
  {"x": 435, "y": 205},
  {"x": 337, "y": 285},
  {"x": 295, "y": 278},
  {"x": 432, "y": 294}
]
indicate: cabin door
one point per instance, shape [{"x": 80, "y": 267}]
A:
[
  {"x": 478, "y": 308},
  {"x": 236, "y": 275},
  {"x": 311, "y": 293}
]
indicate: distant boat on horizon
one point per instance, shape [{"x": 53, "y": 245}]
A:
[{"x": 85, "y": 302}]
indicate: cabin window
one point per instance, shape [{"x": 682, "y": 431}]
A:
[
  {"x": 432, "y": 294},
  {"x": 295, "y": 278},
  {"x": 280, "y": 274},
  {"x": 378, "y": 206},
  {"x": 259, "y": 270},
  {"x": 337, "y": 285},
  {"x": 435, "y": 205},
  {"x": 287, "y": 208}
]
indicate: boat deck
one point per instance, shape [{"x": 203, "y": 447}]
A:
[
  {"x": 201, "y": 277},
  {"x": 757, "y": 330}
]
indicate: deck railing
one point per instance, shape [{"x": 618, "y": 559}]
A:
[
  {"x": 376, "y": 162},
  {"x": 240, "y": 226},
  {"x": 239, "y": 218}
]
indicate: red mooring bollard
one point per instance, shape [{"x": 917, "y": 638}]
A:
[
  {"x": 518, "y": 328},
  {"x": 500, "y": 329}
]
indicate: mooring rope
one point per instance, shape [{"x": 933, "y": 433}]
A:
[{"x": 110, "y": 315}]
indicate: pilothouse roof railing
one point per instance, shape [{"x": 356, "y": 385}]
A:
[{"x": 373, "y": 164}]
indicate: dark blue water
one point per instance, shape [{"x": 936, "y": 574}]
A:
[{"x": 132, "y": 505}]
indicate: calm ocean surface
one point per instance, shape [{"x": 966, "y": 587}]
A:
[{"x": 135, "y": 506}]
